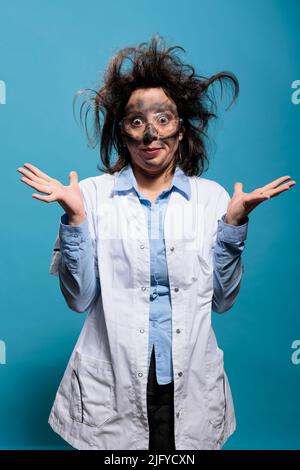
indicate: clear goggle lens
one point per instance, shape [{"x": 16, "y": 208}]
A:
[{"x": 165, "y": 123}]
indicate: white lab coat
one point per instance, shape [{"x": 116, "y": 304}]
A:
[{"x": 101, "y": 402}]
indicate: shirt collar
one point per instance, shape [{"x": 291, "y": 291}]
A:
[{"x": 126, "y": 181}]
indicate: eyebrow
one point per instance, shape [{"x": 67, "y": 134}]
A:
[{"x": 156, "y": 107}]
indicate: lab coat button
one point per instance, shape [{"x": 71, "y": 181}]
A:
[
  {"x": 176, "y": 289},
  {"x": 143, "y": 288},
  {"x": 140, "y": 374},
  {"x": 142, "y": 246},
  {"x": 178, "y": 330},
  {"x": 180, "y": 374},
  {"x": 172, "y": 248},
  {"x": 142, "y": 330},
  {"x": 177, "y": 415}
]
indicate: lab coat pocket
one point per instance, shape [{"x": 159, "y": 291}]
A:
[
  {"x": 216, "y": 395},
  {"x": 92, "y": 400}
]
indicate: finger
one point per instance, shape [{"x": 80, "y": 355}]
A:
[
  {"x": 38, "y": 172},
  {"x": 30, "y": 175},
  {"x": 40, "y": 187},
  {"x": 275, "y": 183},
  {"x": 260, "y": 196},
  {"x": 44, "y": 198},
  {"x": 256, "y": 198},
  {"x": 238, "y": 187},
  {"x": 276, "y": 192},
  {"x": 73, "y": 177}
]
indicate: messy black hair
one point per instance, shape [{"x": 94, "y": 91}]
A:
[{"x": 152, "y": 65}]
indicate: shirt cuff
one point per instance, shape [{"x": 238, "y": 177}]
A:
[
  {"x": 232, "y": 233},
  {"x": 73, "y": 232}
]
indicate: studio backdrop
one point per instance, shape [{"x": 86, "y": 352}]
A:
[{"x": 51, "y": 49}]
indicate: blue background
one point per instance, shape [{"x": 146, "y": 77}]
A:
[{"x": 50, "y": 49}]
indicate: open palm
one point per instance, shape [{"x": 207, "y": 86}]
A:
[
  {"x": 243, "y": 203},
  {"x": 69, "y": 197}
]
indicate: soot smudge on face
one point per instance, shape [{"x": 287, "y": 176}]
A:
[{"x": 139, "y": 107}]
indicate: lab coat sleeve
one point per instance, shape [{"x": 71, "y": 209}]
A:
[
  {"x": 228, "y": 246},
  {"x": 74, "y": 261}
]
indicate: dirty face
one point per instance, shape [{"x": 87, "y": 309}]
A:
[{"x": 151, "y": 122}]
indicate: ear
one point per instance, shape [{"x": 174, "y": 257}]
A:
[{"x": 180, "y": 136}]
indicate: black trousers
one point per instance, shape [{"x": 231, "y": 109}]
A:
[{"x": 160, "y": 408}]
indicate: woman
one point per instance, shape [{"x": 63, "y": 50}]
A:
[{"x": 149, "y": 248}]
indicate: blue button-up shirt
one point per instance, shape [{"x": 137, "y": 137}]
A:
[
  {"x": 160, "y": 315},
  {"x": 228, "y": 266}
]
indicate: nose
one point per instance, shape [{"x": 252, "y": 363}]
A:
[{"x": 150, "y": 134}]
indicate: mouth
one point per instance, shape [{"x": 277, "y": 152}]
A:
[{"x": 151, "y": 150}]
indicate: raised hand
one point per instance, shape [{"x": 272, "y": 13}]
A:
[
  {"x": 242, "y": 203},
  {"x": 69, "y": 197}
]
